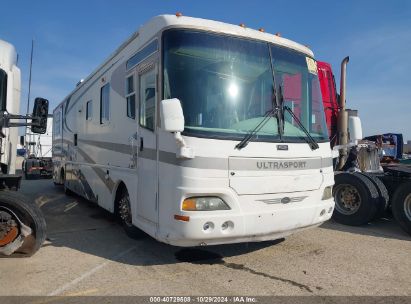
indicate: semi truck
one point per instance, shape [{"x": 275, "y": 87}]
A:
[
  {"x": 22, "y": 224},
  {"x": 37, "y": 162},
  {"x": 364, "y": 188}
]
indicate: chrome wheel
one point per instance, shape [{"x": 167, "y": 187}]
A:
[
  {"x": 124, "y": 210},
  {"x": 347, "y": 199}
]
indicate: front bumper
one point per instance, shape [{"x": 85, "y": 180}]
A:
[{"x": 254, "y": 221}]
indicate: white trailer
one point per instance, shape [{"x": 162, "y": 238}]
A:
[
  {"x": 9, "y": 138},
  {"x": 40, "y": 145},
  {"x": 183, "y": 133}
]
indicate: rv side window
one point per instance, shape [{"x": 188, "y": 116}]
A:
[
  {"x": 57, "y": 122},
  {"x": 147, "y": 99},
  {"x": 130, "y": 97},
  {"x": 89, "y": 110},
  {"x": 105, "y": 104}
]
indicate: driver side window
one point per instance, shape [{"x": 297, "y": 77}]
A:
[{"x": 147, "y": 99}]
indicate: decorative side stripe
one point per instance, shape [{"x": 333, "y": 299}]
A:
[
  {"x": 100, "y": 172},
  {"x": 200, "y": 162},
  {"x": 122, "y": 148}
]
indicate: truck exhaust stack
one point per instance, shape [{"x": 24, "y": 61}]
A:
[{"x": 342, "y": 121}]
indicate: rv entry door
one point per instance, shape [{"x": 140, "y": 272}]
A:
[{"x": 147, "y": 154}]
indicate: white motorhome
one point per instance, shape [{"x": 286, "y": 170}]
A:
[
  {"x": 182, "y": 133},
  {"x": 10, "y": 77}
]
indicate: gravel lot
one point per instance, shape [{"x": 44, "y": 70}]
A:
[{"x": 87, "y": 253}]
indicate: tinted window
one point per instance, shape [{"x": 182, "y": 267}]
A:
[
  {"x": 105, "y": 103},
  {"x": 141, "y": 55},
  {"x": 89, "y": 110},
  {"x": 57, "y": 123},
  {"x": 130, "y": 97},
  {"x": 3, "y": 89},
  {"x": 147, "y": 99}
]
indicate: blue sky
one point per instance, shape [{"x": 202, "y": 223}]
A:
[{"x": 73, "y": 37}]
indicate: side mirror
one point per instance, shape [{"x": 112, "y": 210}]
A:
[
  {"x": 172, "y": 117},
  {"x": 40, "y": 114}
]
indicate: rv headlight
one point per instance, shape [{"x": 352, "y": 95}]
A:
[
  {"x": 328, "y": 193},
  {"x": 204, "y": 204}
]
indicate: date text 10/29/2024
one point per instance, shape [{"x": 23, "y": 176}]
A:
[{"x": 203, "y": 299}]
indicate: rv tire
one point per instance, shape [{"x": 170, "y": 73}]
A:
[
  {"x": 67, "y": 191},
  {"x": 125, "y": 216}
]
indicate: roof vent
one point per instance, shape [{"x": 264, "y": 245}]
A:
[{"x": 80, "y": 82}]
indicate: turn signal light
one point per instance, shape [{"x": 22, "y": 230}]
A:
[
  {"x": 181, "y": 218},
  {"x": 209, "y": 203},
  {"x": 189, "y": 204},
  {"x": 178, "y": 14}
]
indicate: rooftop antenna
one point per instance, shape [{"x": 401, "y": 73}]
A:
[
  {"x": 31, "y": 66},
  {"x": 28, "y": 96}
]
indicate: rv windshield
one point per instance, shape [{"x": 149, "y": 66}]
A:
[{"x": 226, "y": 86}]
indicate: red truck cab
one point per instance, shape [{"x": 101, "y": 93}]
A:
[{"x": 329, "y": 95}]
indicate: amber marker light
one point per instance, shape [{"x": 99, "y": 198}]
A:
[
  {"x": 178, "y": 14},
  {"x": 261, "y": 30},
  {"x": 189, "y": 204},
  {"x": 206, "y": 203},
  {"x": 181, "y": 218}
]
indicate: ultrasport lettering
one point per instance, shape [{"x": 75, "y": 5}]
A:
[{"x": 267, "y": 165}]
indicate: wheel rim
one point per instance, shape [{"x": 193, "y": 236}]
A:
[
  {"x": 8, "y": 228},
  {"x": 125, "y": 211},
  {"x": 407, "y": 207},
  {"x": 347, "y": 199}
]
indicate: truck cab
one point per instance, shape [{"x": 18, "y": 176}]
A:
[
  {"x": 10, "y": 98},
  {"x": 329, "y": 95}
]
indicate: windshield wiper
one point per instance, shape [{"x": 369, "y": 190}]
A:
[
  {"x": 310, "y": 140},
  {"x": 244, "y": 142}
]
